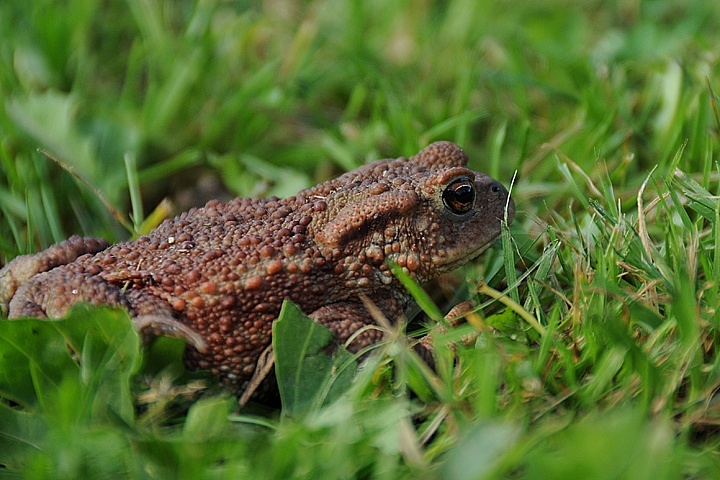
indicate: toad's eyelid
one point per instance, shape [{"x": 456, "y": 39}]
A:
[{"x": 448, "y": 176}]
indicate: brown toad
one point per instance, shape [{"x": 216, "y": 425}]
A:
[{"x": 222, "y": 271}]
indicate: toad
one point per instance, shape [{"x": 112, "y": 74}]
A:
[{"x": 218, "y": 275}]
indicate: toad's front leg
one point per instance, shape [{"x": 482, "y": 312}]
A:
[{"x": 346, "y": 319}]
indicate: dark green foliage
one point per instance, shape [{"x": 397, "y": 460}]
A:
[{"x": 311, "y": 371}]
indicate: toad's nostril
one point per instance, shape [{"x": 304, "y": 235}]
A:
[{"x": 497, "y": 188}]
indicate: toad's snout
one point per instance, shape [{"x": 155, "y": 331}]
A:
[{"x": 494, "y": 198}]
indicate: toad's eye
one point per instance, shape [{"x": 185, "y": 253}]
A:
[{"x": 459, "y": 196}]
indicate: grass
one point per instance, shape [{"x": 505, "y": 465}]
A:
[{"x": 607, "y": 111}]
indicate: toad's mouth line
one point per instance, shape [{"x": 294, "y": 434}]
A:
[{"x": 467, "y": 258}]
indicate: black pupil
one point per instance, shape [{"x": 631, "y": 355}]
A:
[
  {"x": 464, "y": 194},
  {"x": 459, "y": 196}
]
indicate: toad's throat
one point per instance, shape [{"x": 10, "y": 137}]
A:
[{"x": 466, "y": 257}]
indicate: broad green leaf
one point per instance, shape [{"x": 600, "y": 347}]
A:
[
  {"x": 26, "y": 344},
  {"x": 21, "y": 435},
  {"x": 64, "y": 375},
  {"x": 207, "y": 419},
  {"x": 110, "y": 355},
  {"x": 307, "y": 376},
  {"x": 97, "y": 349}
]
